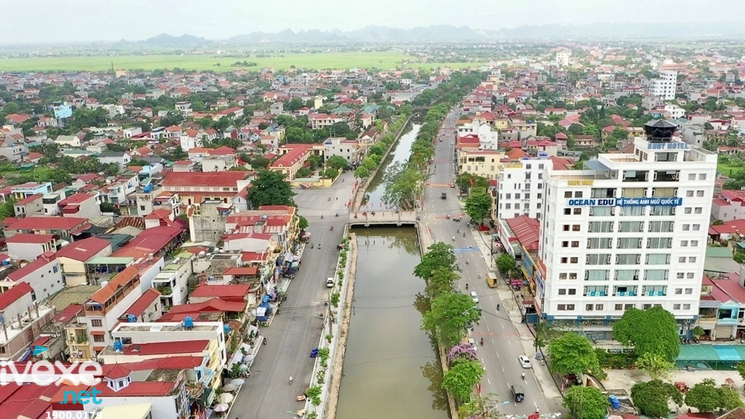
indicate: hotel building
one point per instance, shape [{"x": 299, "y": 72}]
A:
[{"x": 629, "y": 230}]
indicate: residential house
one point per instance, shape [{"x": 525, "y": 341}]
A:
[
  {"x": 43, "y": 274},
  {"x": 69, "y": 140},
  {"x": 729, "y": 206},
  {"x": 28, "y": 247},
  {"x": 74, "y": 256},
  {"x": 66, "y": 228},
  {"x": 195, "y": 187},
  {"x": 293, "y": 157},
  {"x": 83, "y": 205},
  {"x": 322, "y": 120},
  {"x": 31, "y": 205},
  {"x": 30, "y": 188},
  {"x": 120, "y": 158},
  {"x": 347, "y": 149},
  {"x": 172, "y": 281},
  {"x": 52, "y": 337},
  {"x": 22, "y": 324}
]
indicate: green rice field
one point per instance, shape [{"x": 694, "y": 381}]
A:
[{"x": 333, "y": 60}]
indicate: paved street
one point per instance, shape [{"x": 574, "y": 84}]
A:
[
  {"x": 503, "y": 342},
  {"x": 294, "y": 332}
]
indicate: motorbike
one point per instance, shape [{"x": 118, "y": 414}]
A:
[
  {"x": 329, "y": 198},
  {"x": 332, "y": 228},
  {"x": 467, "y": 262},
  {"x": 337, "y": 214},
  {"x": 264, "y": 341},
  {"x": 482, "y": 341},
  {"x": 322, "y": 216},
  {"x": 311, "y": 246}
]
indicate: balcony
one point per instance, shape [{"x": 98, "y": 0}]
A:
[
  {"x": 165, "y": 290},
  {"x": 666, "y": 175}
]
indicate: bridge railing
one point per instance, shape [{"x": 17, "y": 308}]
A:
[{"x": 382, "y": 217}]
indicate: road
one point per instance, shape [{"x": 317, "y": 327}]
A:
[
  {"x": 502, "y": 343},
  {"x": 297, "y": 330}
]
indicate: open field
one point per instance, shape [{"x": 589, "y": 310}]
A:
[{"x": 335, "y": 60}]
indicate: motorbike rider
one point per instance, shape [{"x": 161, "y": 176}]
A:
[
  {"x": 482, "y": 341},
  {"x": 523, "y": 374}
]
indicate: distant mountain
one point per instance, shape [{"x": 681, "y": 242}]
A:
[
  {"x": 169, "y": 40},
  {"x": 449, "y": 33}
]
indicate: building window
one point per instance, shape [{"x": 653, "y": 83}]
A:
[
  {"x": 702, "y": 176},
  {"x": 567, "y": 194},
  {"x": 574, "y": 260},
  {"x": 572, "y": 291},
  {"x": 689, "y": 194},
  {"x": 565, "y": 227},
  {"x": 694, "y": 243},
  {"x": 691, "y": 176},
  {"x": 575, "y": 244},
  {"x": 689, "y": 291},
  {"x": 696, "y": 227},
  {"x": 698, "y": 210},
  {"x": 577, "y": 211},
  {"x": 676, "y": 306},
  {"x": 618, "y": 307},
  {"x": 567, "y": 211},
  {"x": 564, "y": 260},
  {"x": 700, "y": 194},
  {"x": 562, "y": 291},
  {"x": 687, "y": 210},
  {"x": 684, "y": 243},
  {"x": 578, "y": 194},
  {"x": 98, "y": 338},
  {"x": 563, "y": 275},
  {"x": 565, "y": 307},
  {"x": 96, "y": 323},
  {"x": 564, "y": 244},
  {"x": 588, "y": 307},
  {"x": 686, "y": 306},
  {"x": 576, "y": 227},
  {"x": 692, "y": 259}
]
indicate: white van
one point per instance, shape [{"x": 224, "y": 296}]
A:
[{"x": 330, "y": 283}]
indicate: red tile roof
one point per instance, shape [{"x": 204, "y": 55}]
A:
[
  {"x": 29, "y": 199},
  {"x": 42, "y": 261},
  {"x": 139, "y": 306},
  {"x": 211, "y": 179},
  {"x": 76, "y": 199},
  {"x": 69, "y": 313},
  {"x": 151, "y": 240},
  {"x": 117, "y": 371},
  {"x": 12, "y": 295},
  {"x": 170, "y": 363},
  {"x": 30, "y": 238},
  {"x": 49, "y": 223},
  {"x": 526, "y": 231},
  {"x": 115, "y": 283},
  {"x": 245, "y": 270},
  {"x": 84, "y": 249},
  {"x": 214, "y": 305},
  {"x": 225, "y": 292},
  {"x": 297, "y": 151}
]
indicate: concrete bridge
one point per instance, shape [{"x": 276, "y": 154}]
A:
[{"x": 368, "y": 218}]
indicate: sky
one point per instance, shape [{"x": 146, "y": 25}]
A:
[{"x": 68, "y": 21}]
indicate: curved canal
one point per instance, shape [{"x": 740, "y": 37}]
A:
[{"x": 391, "y": 369}]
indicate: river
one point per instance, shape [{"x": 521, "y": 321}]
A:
[
  {"x": 400, "y": 154},
  {"x": 391, "y": 369}
]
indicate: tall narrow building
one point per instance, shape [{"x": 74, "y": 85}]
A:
[
  {"x": 666, "y": 85},
  {"x": 628, "y": 231}
]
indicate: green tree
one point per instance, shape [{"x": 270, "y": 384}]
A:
[
  {"x": 314, "y": 161},
  {"x": 652, "y": 397},
  {"x": 461, "y": 378},
  {"x": 448, "y": 317},
  {"x": 330, "y": 173},
  {"x": 654, "y": 330},
  {"x": 478, "y": 205},
  {"x": 730, "y": 398},
  {"x": 441, "y": 281},
  {"x": 7, "y": 209},
  {"x": 303, "y": 172},
  {"x": 337, "y": 162},
  {"x": 506, "y": 263},
  {"x": 575, "y": 129},
  {"x": 573, "y": 354},
  {"x": 404, "y": 185},
  {"x": 294, "y": 104},
  {"x": 586, "y": 403},
  {"x": 362, "y": 172},
  {"x": 270, "y": 188},
  {"x": 544, "y": 334},
  {"x": 258, "y": 162},
  {"x": 654, "y": 364},
  {"x": 704, "y": 396},
  {"x": 302, "y": 222},
  {"x": 477, "y": 407},
  {"x": 438, "y": 255}
]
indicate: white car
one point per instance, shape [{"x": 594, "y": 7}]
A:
[
  {"x": 524, "y": 361},
  {"x": 475, "y": 297},
  {"x": 472, "y": 341}
]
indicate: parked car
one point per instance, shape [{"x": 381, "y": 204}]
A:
[{"x": 474, "y": 297}]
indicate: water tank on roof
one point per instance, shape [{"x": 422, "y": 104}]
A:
[
  {"x": 131, "y": 318},
  {"x": 188, "y": 322},
  {"x": 118, "y": 346},
  {"x": 104, "y": 283},
  {"x": 226, "y": 328},
  {"x": 149, "y": 188},
  {"x": 6, "y": 262}
]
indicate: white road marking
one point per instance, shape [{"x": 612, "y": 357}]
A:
[
  {"x": 510, "y": 343},
  {"x": 502, "y": 325},
  {"x": 502, "y": 368},
  {"x": 488, "y": 381},
  {"x": 487, "y": 329}
]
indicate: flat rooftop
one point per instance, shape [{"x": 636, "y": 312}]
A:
[{"x": 167, "y": 327}]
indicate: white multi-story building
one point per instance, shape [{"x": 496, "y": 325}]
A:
[
  {"x": 562, "y": 58},
  {"x": 665, "y": 86},
  {"x": 628, "y": 231},
  {"x": 521, "y": 186}
]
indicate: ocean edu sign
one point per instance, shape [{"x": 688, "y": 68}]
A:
[
  {"x": 45, "y": 373},
  {"x": 626, "y": 202}
]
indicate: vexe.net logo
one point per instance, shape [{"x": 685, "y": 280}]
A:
[{"x": 46, "y": 373}]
